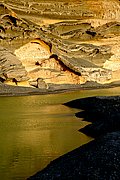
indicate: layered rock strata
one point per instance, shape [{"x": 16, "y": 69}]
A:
[
  {"x": 83, "y": 47},
  {"x": 11, "y": 68}
]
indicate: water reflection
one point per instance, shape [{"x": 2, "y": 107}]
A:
[
  {"x": 32, "y": 135},
  {"x": 35, "y": 130}
]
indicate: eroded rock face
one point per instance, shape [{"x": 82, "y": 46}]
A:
[
  {"x": 83, "y": 47},
  {"x": 66, "y": 9},
  {"x": 37, "y": 59},
  {"x": 66, "y": 67},
  {"x": 86, "y": 59},
  {"x": 11, "y": 68},
  {"x": 13, "y": 29},
  {"x": 82, "y": 31},
  {"x": 96, "y": 55},
  {"x": 33, "y": 53}
]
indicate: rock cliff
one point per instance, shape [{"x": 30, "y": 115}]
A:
[{"x": 68, "y": 42}]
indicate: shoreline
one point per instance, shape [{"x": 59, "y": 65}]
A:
[
  {"x": 10, "y": 90},
  {"x": 98, "y": 159}
]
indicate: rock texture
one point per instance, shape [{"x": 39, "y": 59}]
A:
[
  {"x": 70, "y": 42},
  {"x": 11, "y": 68},
  {"x": 72, "y": 9}
]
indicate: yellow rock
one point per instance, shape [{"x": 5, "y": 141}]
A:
[
  {"x": 42, "y": 43},
  {"x": 32, "y": 52}
]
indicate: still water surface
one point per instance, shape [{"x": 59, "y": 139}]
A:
[{"x": 36, "y": 129}]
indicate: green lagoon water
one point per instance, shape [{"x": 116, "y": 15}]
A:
[{"x": 36, "y": 129}]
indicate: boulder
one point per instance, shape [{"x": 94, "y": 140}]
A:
[{"x": 41, "y": 84}]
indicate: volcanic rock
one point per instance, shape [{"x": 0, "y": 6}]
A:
[
  {"x": 99, "y": 159},
  {"x": 103, "y": 112}
]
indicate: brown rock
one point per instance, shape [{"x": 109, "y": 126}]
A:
[
  {"x": 41, "y": 84},
  {"x": 11, "y": 68}
]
